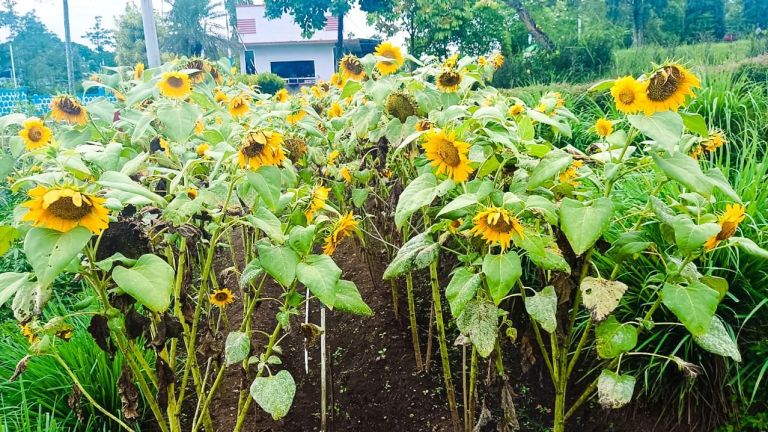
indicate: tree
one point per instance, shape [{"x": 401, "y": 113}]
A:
[
  {"x": 756, "y": 13},
  {"x": 535, "y": 31},
  {"x": 194, "y": 28},
  {"x": 101, "y": 38},
  {"x": 129, "y": 37},
  {"x": 640, "y": 12},
  {"x": 705, "y": 20}
]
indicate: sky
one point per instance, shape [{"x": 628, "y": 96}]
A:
[{"x": 83, "y": 12}]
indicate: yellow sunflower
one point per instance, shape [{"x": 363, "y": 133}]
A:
[
  {"x": 261, "y": 148},
  {"x": 344, "y": 227},
  {"x": 222, "y": 297},
  {"x": 498, "y": 61},
  {"x": 448, "y": 81},
  {"x": 423, "y": 125},
  {"x": 67, "y": 108},
  {"x": 482, "y": 61},
  {"x": 570, "y": 175},
  {"x": 319, "y": 197},
  {"x": 332, "y": 156},
  {"x": 295, "y": 116},
  {"x": 346, "y": 174},
  {"x": 450, "y": 62},
  {"x": 335, "y": 110},
  {"x": 668, "y": 87},
  {"x": 448, "y": 155},
  {"x": 516, "y": 109},
  {"x": 391, "y": 58},
  {"x": 202, "y": 148},
  {"x": 138, "y": 71},
  {"x": 238, "y": 106},
  {"x": 220, "y": 97},
  {"x": 200, "y": 67},
  {"x": 29, "y": 333},
  {"x": 338, "y": 80},
  {"x": 63, "y": 208},
  {"x": 729, "y": 221},
  {"x": 175, "y": 85},
  {"x": 715, "y": 141},
  {"x": 199, "y": 127},
  {"x": 629, "y": 95},
  {"x": 351, "y": 67},
  {"x": 495, "y": 224},
  {"x": 282, "y": 95},
  {"x": 35, "y": 133},
  {"x": 192, "y": 193},
  {"x": 603, "y": 127}
]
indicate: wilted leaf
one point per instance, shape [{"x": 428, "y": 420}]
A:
[
  {"x": 613, "y": 390},
  {"x": 274, "y": 394},
  {"x": 542, "y": 307},
  {"x": 601, "y": 296}
]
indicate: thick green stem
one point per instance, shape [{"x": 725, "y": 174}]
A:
[
  {"x": 451, "y": 393},
  {"x": 412, "y": 320},
  {"x": 472, "y": 388}
]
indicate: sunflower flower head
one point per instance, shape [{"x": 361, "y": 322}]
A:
[
  {"x": 571, "y": 174},
  {"x": 448, "y": 155},
  {"x": 238, "y": 105},
  {"x": 199, "y": 127},
  {"x": 423, "y": 125},
  {"x": 282, "y": 95},
  {"x": 175, "y": 85},
  {"x": 221, "y": 298},
  {"x": 351, "y": 67},
  {"x": 67, "y": 108},
  {"x": 337, "y": 80},
  {"x": 35, "y": 134},
  {"x": 200, "y": 68},
  {"x": 346, "y": 174},
  {"x": 516, "y": 109},
  {"x": 448, "y": 81},
  {"x": 729, "y": 221},
  {"x": 317, "y": 203},
  {"x": 261, "y": 148},
  {"x": 629, "y": 95},
  {"x": 482, "y": 61},
  {"x": 603, "y": 127},
  {"x": 668, "y": 87},
  {"x": 498, "y": 60},
  {"x": 296, "y": 147},
  {"x": 335, "y": 110},
  {"x": 62, "y": 208},
  {"x": 138, "y": 71},
  {"x": 450, "y": 62},
  {"x": 220, "y": 97},
  {"x": 715, "y": 141},
  {"x": 496, "y": 225},
  {"x": 201, "y": 149},
  {"x": 401, "y": 105},
  {"x": 344, "y": 227},
  {"x": 390, "y": 58}
]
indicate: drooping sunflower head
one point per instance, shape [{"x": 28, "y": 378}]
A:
[
  {"x": 729, "y": 221},
  {"x": 423, "y": 125},
  {"x": 496, "y": 225},
  {"x": 603, "y": 127},
  {"x": 238, "y": 105},
  {"x": 62, "y": 208},
  {"x": 138, "y": 71},
  {"x": 175, "y": 85},
  {"x": 346, "y": 174},
  {"x": 296, "y": 147},
  {"x": 401, "y": 105},
  {"x": 200, "y": 69},
  {"x": 261, "y": 148},
  {"x": 351, "y": 67},
  {"x": 448, "y": 81},
  {"x": 715, "y": 141},
  {"x": 220, "y": 97},
  {"x": 571, "y": 174},
  {"x": 629, "y": 95},
  {"x": 35, "y": 133},
  {"x": 335, "y": 110},
  {"x": 338, "y": 80},
  {"x": 447, "y": 154},
  {"x": 498, "y": 60},
  {"x": 222, "y": 298},
  {"x": 67, "y": 108},
  {"x": 215, "y": 73},
  {"x": 344, "y": 227},
  {"x": 668, "y": 87},
  {"x": 390, "y": 58},
  {"x": 282, "y": 95},
  {"x": 317, "y": 203}
]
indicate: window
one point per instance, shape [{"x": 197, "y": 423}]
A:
[
  {"x": 250, "y": 64},
  {"x": 294, "y": 69}
]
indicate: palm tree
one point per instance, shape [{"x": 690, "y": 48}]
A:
[{"x": 195, "y": 28}]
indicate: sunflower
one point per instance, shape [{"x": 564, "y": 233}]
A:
[
  {"x": 401, "y": 105},
  {"x": 715, "y": 141},
  {"x": 423, "y": 125},
  {"x": 495, "y": 224},
  {"x": 219, "y": 96},
  {"x": 35, "y": 133},
  {"x": 344, "y": 227},
  {"x": 516, "y": 109},
  {"x": 332, "y": 156},
  {"x": 260, "y": 148},
  {"x": 629, "y": 95},
  {"x": 570, "y": 175},
  {"x": 202, "y": 148},
  {"x": 200, "y": 68},
  {"x": 138, "y": 71},
  {"x": 482, "y": 61},
  {"x": 319, "y": 197},
  {"x": 67, "y": 108},
  {"x": 335, "y": 110},
  {"x": 318, "y": 91},
  {"x": 448, "y": 154},
  {"x": 29, "y": 333},
  {"x": 668, "y": 87},
  {"x": 238, "y": 106},
  {"x": 192, "y": 193},
  {"x": 498, "y": 61},
  {"x": 603, "y": 127},
  {"x": 222, "y": 297},
  {"x": 448, "y": 81},
  {"x": 450, "y": 62},
  {"x": 295, "y": 116},
  {"x": 175, "y": 85},
  {"x": 63, "y": 208},
  {"x": 346, "y": 175},
  {"x": 282, "y": 95},
  {"x": 391, "y": 58},
  {"x": 338, "y": 80},
  {"x": 351, "y": 67},
  {"x": 199, "y": 127},
  {"x": 729, "y": 221}
]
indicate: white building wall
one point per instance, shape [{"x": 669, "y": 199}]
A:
[
  {"x": 320, "y": 53},
  {"x": 277, "y": 30}
]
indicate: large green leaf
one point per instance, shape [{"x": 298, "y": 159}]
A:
[
  {"x": 717, "y": 340},
  {"x": 502, "y": 273},
  {"x": 693, "y": 304},
  {"x": 50, "y": 251},
  {"x": 300, "y": 239},
  {"x": 279, "y": 262},
  {"x": 461, "y": 289},
  {"x": 665, "y": 127},
  {"x": 542, "y": 307},
  {"x": 695, "y": 123},
  {"x": 749, "y": 246},
  {"x": 542, "y": 251},
  {"x": 419, "y": 193},
  {"x": 150, "y": 281},
  {"x": 689, "y": 236},
  {"x": 122, "y": 183},
  {"x": 415, "y": 254},
  {"x": 179, "y": 120},
  {"x": 584, "y": 223},
  {"x": 348, "y": 299},
  {"x": 264, "y": 220},
  {"x": 479, "y": 321},
  {"x": 237, "y": 347},
  {"x": 614, "y": 390},
  {"x": 614, "y": 338},
  {"x": 267, "y": 182},
  {"x": 601, "y": 296},
  {"x": 251, "y": 271},
  {"x": 10, "y": 283},
  {"x": 460, "y": 202},
  {"x": 320, "y": 274},
  {"x": 685, "y": 170},
  {"x": 548, "y": 167},
  {"x": 274, "y": 394}
]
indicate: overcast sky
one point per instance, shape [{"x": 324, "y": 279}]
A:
[{"x": 83, "y": 12}]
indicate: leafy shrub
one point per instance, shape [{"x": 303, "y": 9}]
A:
[{"x": 266, "y": 82}]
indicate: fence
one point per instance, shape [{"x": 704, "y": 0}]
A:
[{"x": 19, "y": 100}]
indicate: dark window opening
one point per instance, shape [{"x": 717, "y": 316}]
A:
[
  {"x": 250, "y": 64},
  {"x": 294, "y": 69}
]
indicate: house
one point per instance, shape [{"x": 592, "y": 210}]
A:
[{"x": 276, "y": 45}]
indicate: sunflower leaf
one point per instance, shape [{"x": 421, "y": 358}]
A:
[{"x": 50, "y": 252}]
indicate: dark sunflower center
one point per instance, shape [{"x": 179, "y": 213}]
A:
[
  {"x": 253, "y": 149},
  {"x": 448, "y": 153},
  {"x": 449, "y": 79},
  {"x": 353, "y": 66},
  {"x": 70, "y": 107},
  {"x": 35, "y": 134},
  {"x": 175, "y": 82},
  {"x": 501, "y": 225},
  {"x": 64, "y": 208},
  {"x": 627, "y": 96},
  {"x": 664, "y": 83},
  {"x": 221, "y": 296},
  {"x": 401, "y": 106}
]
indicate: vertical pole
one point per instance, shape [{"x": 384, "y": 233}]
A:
[
  {"x": 150, "y": 33},
  {"x": 339, "y": 40},
  {"x": 323, "y": 384},
  {"x": 13, "y": 66},
  {"x": 68, "y": 49}
]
